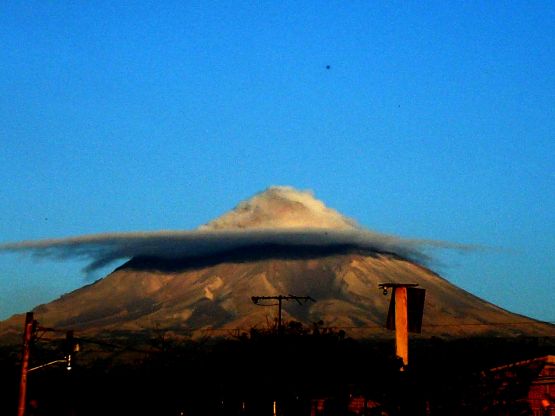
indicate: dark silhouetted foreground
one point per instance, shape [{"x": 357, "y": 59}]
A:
[{"x": 307, "y": 371}]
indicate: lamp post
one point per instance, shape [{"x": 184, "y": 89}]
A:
[{"x": 30, "y": 329}]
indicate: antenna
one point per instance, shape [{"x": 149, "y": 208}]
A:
[{"x": 300, "y": 299}]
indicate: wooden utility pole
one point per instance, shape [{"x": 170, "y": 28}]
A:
[{"x": 27, "y": 338}]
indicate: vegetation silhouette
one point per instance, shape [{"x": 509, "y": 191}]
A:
[{"x": 247, "y": 373}]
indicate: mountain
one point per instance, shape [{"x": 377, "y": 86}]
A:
[{"x": 210, "y": 294}]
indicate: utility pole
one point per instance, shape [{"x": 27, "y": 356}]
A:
[
  {"x": 27, "y": 338},
  {"x": 401, "y": 325},
  {"x": 405, "y": 314},
  {"x": 31, "y": 327},
  {"x": 280, "y": 299}
]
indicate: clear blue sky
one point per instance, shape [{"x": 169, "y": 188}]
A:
[{"x": 434, "y": 120}]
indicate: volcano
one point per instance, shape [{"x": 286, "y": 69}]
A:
[{"x": 280, "y": 242}]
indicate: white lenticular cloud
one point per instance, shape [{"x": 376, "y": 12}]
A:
[{"x": 279, "y": 216}]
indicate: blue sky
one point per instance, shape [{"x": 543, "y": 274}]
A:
[{"x": 433, "y": 120}]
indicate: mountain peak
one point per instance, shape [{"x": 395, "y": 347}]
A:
[{"x": 281, "y": 207}]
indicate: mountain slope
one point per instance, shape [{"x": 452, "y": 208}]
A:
[
  {"x": 155, "y": 294},
  {"x": 209, "y": 293}
]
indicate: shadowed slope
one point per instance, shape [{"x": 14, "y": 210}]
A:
[{"x": 243, "y": 255}]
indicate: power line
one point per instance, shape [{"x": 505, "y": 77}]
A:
[
  {"x": 441, "y": 325},
  {"x": 490, "y": 323}
]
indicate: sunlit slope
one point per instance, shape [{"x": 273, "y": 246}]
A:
[{"x": 215, "y": 299}]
